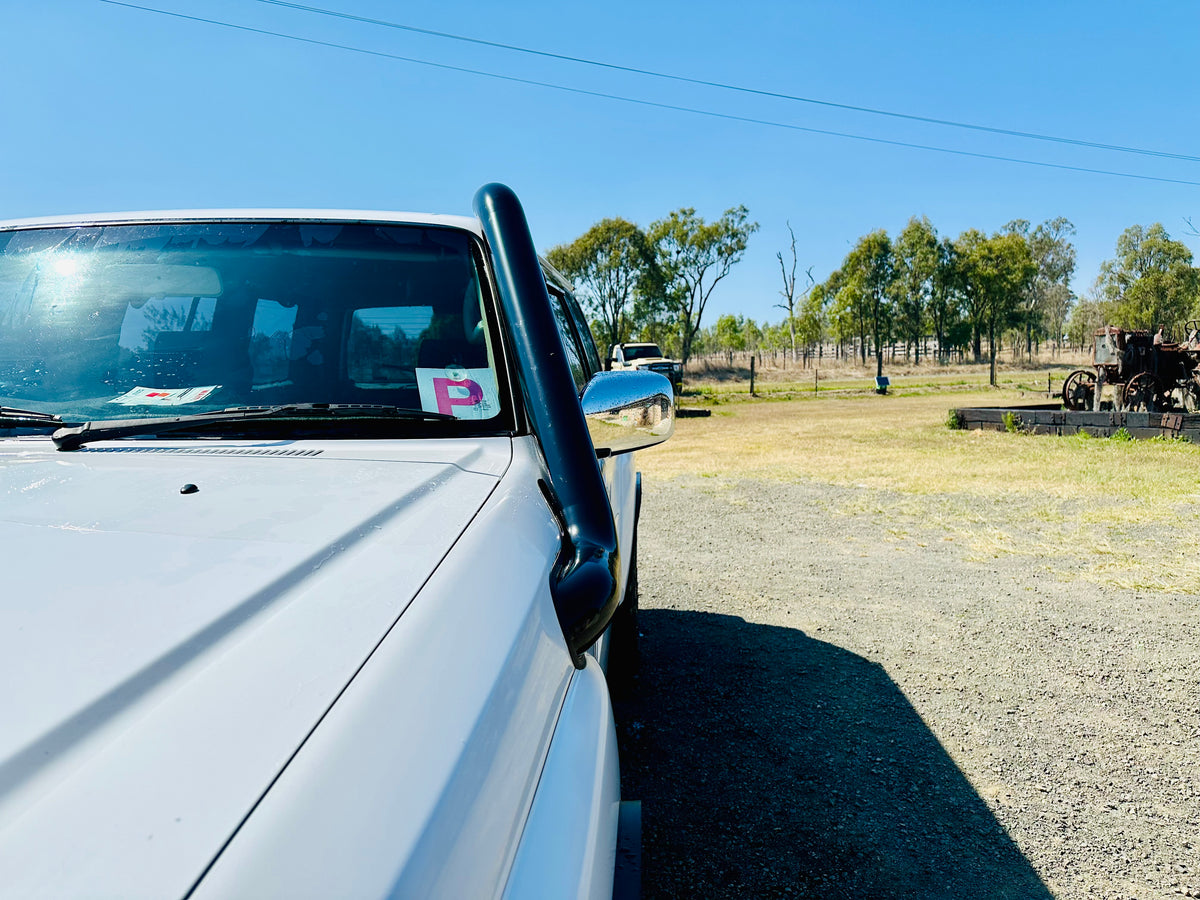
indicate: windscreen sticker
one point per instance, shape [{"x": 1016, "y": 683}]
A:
[
  {"x": 459, "y": 392},
  {"x": 144, "y": 396}
]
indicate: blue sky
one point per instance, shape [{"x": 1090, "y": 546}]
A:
[{"x": 112, "y": 108}]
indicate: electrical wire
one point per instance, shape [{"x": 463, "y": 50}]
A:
[
  {"x": 949, "y": 123},
  {"x": 648, "y": 103}
]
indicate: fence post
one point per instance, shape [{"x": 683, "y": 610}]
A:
[
  {"x": 816, "y": 379},
  {"x": 752, "y": 375}
]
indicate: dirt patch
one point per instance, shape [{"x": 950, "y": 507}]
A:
[{"x": 829, "y": 708}]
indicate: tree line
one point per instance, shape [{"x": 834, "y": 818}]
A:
[
  {"x": 654, "y": 284},
  {"x": 919, "y": 294},
  {"x": 1150, "y": 282},
  {"x": 921, "y": 287}
]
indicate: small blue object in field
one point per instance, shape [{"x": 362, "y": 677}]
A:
[{"x": 881, "y": 384}]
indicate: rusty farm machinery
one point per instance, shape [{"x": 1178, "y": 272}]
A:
[{"x": 1143, "y": 375}]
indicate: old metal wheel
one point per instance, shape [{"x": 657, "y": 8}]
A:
[
  {"x": 1142, "y": 392},
  {"x": 1079, "y": 390}
]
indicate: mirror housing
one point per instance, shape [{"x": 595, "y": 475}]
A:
[{"x": 628, "y": 411}]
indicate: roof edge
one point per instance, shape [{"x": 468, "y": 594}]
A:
[{"x": 346, "y": 216}]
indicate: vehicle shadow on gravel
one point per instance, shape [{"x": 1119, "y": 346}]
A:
[{"x": 771, "y": 764}]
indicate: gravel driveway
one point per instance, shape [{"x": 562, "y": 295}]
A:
[{"x": 827, "y": 709}]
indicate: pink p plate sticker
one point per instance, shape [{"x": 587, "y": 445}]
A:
[
  {"x": 144, "y": 396},
  {"x": 462, "y": 393}
]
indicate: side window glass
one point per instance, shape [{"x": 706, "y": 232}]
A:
[
  {"x": 591, "y": 354},
  {"x": 566, "y": 331}
]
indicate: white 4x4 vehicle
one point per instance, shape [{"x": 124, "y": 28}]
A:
[
  {"x": 314, "y": 525},
  {"x": 647, "y": 358}
]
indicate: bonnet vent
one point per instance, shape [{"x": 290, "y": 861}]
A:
[{"x": 203, "y": 451}]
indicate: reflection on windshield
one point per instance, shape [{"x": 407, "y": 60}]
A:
[{"x": 182, "y": 318}]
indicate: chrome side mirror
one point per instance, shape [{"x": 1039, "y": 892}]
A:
[{"x": 628, "y": 411}]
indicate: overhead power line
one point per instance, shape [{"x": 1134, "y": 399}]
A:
[
  {"x": 778, "y": 95},
  {"x": 649, "y": 103}
]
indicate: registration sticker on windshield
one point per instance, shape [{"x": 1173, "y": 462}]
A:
[
  {"x": 144, "y": 396},
  {"x": 459, "y": 392}
]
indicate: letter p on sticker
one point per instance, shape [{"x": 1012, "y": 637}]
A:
[{"x": 451, "y": 393}]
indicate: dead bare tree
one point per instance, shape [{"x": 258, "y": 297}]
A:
[{"x": 789, "y": 289}]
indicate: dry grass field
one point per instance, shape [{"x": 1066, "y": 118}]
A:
[
  {"x": 716, "y": 380},
  {"x": 1121, "y": 513}
]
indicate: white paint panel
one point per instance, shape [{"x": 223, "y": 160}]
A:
[
  {"x": 418, "y": 781},
  {"x": 569, "y": 846},
  {"x": 164, "y": 654}
]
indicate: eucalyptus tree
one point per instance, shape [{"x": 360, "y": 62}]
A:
[
  {"x": 729, "y": 333},
  {"x": 1047, "y": 299},
  {"x": 776, "y": 338},
  {"x": 1151, "y": 281},
  {"x": 753, "y": 336},
  {"x": 693, "y": 257},
  {"x": 1085, "y": 319},
  {"x": 609, "y": 263},
  {"x": 974, "y": 303},
  {"x": 1059, "y": 301},
  {"x": 653, "y": 319},
  {"x": 916, "y": 257},
  {"x": 999, "y": 271},
  {"x": 1054, "y": 255},
  {"x": 945, "y": 295},
  {"x": 848, "y": 311},
  {"x": 813, "y": 319},
  {"x": 871, "y": 265},
  {"x": 844, "y": 317},
  {"x": 1026, "y": 311}
]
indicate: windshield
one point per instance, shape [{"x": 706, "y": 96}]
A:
[
  {"x": 115, "y": 321},
  {"x": 642, "y": 351}
]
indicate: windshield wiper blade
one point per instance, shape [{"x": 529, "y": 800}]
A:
[
  {"x": 10, "y": 417},
  {"x": 72, "y": 438}
]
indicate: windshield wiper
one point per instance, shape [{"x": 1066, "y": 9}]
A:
[
  {"x": 71, "y": 438},
  {"x": 10, "y": 417}
]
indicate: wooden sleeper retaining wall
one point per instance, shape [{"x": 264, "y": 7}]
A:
[{"x": 1053, "y": 419}]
